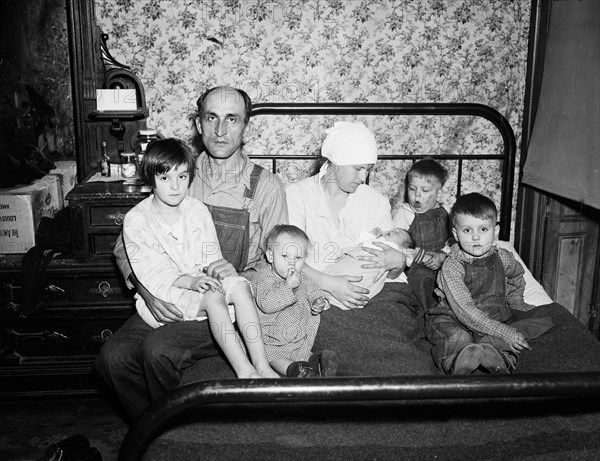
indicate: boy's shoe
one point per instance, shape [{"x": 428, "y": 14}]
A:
[
  {"x": 511, "y": 360},
  {"x": 325, "y": 363},
  {"x": 492, "y": 359},
  {"x": 467, "y": 360}
]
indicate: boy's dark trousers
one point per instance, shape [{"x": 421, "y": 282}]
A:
[
  {"x": 449, "y": 337},
  {"x": 422, "y": 281}
]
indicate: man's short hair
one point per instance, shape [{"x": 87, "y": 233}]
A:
[
  {"x": 428, "y": 167},
  {"x": 285, "y": 229},
  {"x": 226, "y": 92},
  {"x": 476, "y": 205},
  {"x": 162, "y": 155}
]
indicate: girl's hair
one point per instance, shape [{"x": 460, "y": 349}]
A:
[
  {"x": 287, "y": 229},
  {"x": 428, "y": 167},
  {"x": 475, "y": 205},
  {"x": 164, "y": 154}
]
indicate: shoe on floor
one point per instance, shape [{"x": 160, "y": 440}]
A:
[
  {"x": 467, "y": 360},
  {"x": 492, "y": 359},
  {"x": 55, "y": 453},
  {"x": 58, "y": 450}
]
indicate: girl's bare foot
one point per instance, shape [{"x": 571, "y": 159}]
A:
[{"x": 268, "y": 372}]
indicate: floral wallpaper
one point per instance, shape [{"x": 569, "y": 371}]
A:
[{"x": 335, "y": 51}]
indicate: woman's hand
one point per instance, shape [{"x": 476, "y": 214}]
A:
[
  {"x": 386, "y": 259},
  {"x": 342, "y": 287}
]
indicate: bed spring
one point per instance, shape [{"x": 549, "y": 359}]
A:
[{"x": 164, "y": 411}]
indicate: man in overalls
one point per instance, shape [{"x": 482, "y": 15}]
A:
[{"x": 141, "y": 363}]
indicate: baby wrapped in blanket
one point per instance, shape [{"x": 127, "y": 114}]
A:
[{"x": 349, "y": 264}]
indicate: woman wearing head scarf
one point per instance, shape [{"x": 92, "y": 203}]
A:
[{"x": 335, "y": 207}]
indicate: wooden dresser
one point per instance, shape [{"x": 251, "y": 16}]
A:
[{"x": 81, "y": 301}]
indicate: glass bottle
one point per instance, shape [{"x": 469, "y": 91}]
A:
[
  {"x": 128, "y": 165},
  {"x": 104, "y": 161}
]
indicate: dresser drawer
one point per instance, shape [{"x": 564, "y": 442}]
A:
[
  {"x": 101, "y": 245},
  {"x": 77, "y": 288},
  {"x": 67, "y": 332},
  {"x": 101, "y": 215},
  {"x": 96, "y": 212}
]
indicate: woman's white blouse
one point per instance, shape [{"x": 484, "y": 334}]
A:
[{"x": 365, "y": 209}]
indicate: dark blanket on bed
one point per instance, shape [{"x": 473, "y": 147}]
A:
[
  {"x": 386, "y": 338},
  {"x": 474, "y": 429}
]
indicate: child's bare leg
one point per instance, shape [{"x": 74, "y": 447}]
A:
[
  {"x": 280, "y": 365},
  {"x": 249, "y": 325},
  {"x": 215, "y": 306}
]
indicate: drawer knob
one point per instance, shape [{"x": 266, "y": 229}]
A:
[
  {"x": 117, "y": 218},
  {"x": 104, "y": 288},
  {"x": 104, "y": 336}
]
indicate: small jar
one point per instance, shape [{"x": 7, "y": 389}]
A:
[
  {"x": 145, "y": 137},
  {"x": 128, "y": 165}
]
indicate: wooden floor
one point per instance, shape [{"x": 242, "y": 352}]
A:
[
  {"x": 30, "y": 425},
  {"x": 551, "y": 430}
]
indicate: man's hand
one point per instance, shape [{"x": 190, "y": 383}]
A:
[
  {"x": 386, "y": 259},
  {"x": 161, "y": 310},
  {"x": 293, "y": 278},
  {"x": 220, "y": 269}
]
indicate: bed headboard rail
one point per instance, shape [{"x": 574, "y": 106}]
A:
[{"x": 457, "y": 109}]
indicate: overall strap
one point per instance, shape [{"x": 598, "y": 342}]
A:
[{"x": 254, "y": 176}]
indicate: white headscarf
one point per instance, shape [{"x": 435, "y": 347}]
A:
[{"x": 349, "y": 143}]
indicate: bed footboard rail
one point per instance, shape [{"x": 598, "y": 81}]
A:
[
  {"x": 453, "y": 109},
  {"x": 158, "y": 416}
]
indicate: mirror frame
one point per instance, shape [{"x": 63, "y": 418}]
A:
[{"x": 84, "y": 51}]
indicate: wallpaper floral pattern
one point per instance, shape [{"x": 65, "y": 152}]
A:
[{"x": 335, "y": 51}]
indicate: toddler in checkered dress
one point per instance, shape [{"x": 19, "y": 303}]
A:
[{"x": 289, "y": 305}]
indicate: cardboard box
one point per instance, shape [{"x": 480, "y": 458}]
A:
[
  {"x": 54, "y": 199},
  {"x": 67, "y": 175},
  {"x": 21, "y": 209}
]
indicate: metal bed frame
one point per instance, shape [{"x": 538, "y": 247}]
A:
[
  {"x": 466, "y": 109},
  {"x": 158, "y": 416}
]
